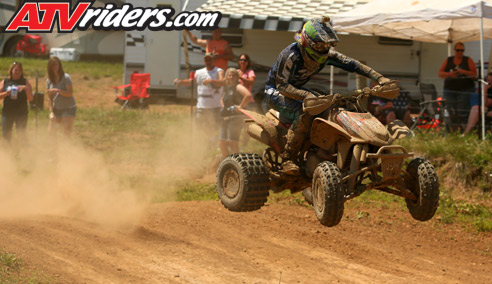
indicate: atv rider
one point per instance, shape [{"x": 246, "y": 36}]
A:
[{"x": 295, "y": 65}]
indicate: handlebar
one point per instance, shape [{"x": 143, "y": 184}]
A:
[
  {"x": 317, "y": 105},
  {"x": 389, "y": 90}
]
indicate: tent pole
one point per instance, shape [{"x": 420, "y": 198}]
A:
[
  {"x": 482, "y": 79},
  {"x": 332, "y": 69},
  {"x": 420, "y": 61},
  {"x": 490, "y": 60}
]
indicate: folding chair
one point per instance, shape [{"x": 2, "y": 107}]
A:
[
  {"x": 139, "y": 83},
  {"x": 430, "y": 108}
]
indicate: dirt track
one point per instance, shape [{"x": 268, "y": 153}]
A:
[{"x": 201, "y": 242}]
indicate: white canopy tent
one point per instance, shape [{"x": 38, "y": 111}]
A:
[{"x": 439, "y": 21}]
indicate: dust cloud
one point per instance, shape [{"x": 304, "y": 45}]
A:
[
  {"x": 59, "y": 177},
  {"x": 186, "y": 153}
]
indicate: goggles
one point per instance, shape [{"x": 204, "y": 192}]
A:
[
  {"x": 322, "y": 47},
  {"x": 320, "y": 58}
]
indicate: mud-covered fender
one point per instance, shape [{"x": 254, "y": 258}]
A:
[
  {"x": 325, "y": 133},
  {"x": 266, "y": 124}
]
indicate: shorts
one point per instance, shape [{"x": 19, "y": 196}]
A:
[
  {"x": 231, "y": 128},
  {"x": 65, "y": 112},
  {"x": 473, "y": 99}
]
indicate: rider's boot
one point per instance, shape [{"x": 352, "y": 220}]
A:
[
  {"x": 295, "y": 139},
  {"x": 291, "y": 153}
]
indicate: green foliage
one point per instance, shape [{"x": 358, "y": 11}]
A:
[
  {"x": 470, "y": 154},
  {"x": 286, "y": 197},
  {"x": 362, "y": 214},
  {"x": 476, "y": 215},
  {"x": 188, "y": 191},
  {"x": 12, "y": 270},
  {"x": 380, "y": 199},
  {"x": 9, "y": 262},
  {"x": 469, "y": 149}
]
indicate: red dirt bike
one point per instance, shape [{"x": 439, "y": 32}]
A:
[{"x": 347, "y": 152}]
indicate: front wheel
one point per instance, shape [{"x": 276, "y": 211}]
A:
[
  {"x": 327, "y": 193},
  {"x": 242, "y": 182},
  {"x": 422, "y": 181}
]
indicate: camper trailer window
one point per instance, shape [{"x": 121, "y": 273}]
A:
[{"x": 233, "y": 36}]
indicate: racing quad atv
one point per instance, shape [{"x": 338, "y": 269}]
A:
[{"x": 347, "y": 152}]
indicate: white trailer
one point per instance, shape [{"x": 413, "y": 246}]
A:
[{"x": 154, "y": 52}]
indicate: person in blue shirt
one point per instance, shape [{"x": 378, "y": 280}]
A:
[{"x": 312, "y": 50}]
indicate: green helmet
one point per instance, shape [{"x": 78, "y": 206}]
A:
[{"x": 317, "y": 37}]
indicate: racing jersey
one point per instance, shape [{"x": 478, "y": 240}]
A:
[{"x": 289, "y": 70}]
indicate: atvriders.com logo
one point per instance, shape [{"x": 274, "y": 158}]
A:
[{"x": 40, "y": 17}]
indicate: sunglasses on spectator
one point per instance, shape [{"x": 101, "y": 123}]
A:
[
  {"x": 459, "y": 50},
  {"x": 242, "y": 60}
]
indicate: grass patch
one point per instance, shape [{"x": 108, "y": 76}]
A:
[
  {"x": 285, "y": 197},
  {"x": 189, "y": 190},
  {"x": 9, "y": 262},
  {"x": 13, "y": 270},
  {"x": 475, "y": 215},
  {"x": 469, "y": 157}
]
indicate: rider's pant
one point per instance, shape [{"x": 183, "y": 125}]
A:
[{"x": 289, "y": 109}]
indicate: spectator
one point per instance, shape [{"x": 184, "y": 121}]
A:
[
  {"x": 382, "y": 109},
  {"x": 209, "y": 81},
  {"x": 60, "y": 94},
  {"x": 15, "y": 92},
  {"x": 235, "y": 96},
  {"x": 475, "y": 109},
  {"x": 401, "y": 107},
  {"x": 247, "y": 78},
  {"x": 387, "y": 111},
  {"x": 459, "y": 72},
  {"x": 217, "y": 45}
]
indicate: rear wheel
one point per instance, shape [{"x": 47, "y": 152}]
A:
[
  {"x": 243, "y": 182},
  {"x": 422, "y": 182},
  {"x": 327, "y": 193}
]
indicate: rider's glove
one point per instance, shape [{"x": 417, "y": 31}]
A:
[
  {"x": 310, "y": 96},
  {"x": 383, "y": 80}
]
